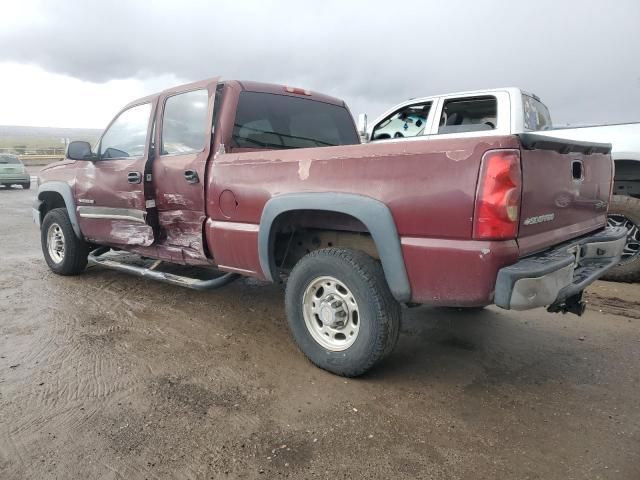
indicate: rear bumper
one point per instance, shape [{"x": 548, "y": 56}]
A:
[
  {"x": 553, "y": 276},
  {"x": 14, "y": 179}
]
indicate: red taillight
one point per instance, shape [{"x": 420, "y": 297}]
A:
[{"x": 498, "y": 197}]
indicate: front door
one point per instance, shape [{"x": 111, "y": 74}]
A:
[
  {"x": 110, "y": 199},
  {"x": 183, "y": 137}
]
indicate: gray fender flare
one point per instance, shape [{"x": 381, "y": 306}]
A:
[
  {"x": 65, "y": 192},
  {"x": 372, "y": 213}
]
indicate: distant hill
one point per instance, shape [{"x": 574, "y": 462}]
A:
[
  {"x": 25, "y": 139},
  {"x": 47, "y": 132}
]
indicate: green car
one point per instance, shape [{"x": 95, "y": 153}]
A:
[{"x": 13, "y": 172}]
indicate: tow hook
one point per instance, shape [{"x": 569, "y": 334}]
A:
[{"x": 573, "y": 304}]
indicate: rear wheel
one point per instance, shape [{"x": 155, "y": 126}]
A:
[
  {"x": 340, "y": 310},
  {"x": 26, "y": 185},
  {"x": 625, "y": 211},
  {"x": 63, "y": 251}
]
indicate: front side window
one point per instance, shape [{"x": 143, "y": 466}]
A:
[
  {"x": 409, "y": 121},
  {"x": 127, "y": 135},
  {"x": 471, "y": 114},
  {"x": 184, "y": 125},
  {"x": 272, "y": 121}
]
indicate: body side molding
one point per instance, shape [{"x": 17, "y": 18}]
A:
[
  {"x": 374, "y": 214},
  {"x": 64, "y": 190}
]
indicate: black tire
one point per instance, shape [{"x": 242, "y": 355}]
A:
[
  {"x": 378, "y": 312},
  {"x": 623, "y": 207},
  {"x": 26, "y": 186},
  {"x": 74, "y": 259}
]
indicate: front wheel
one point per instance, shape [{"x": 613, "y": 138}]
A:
[
  {"x": 64, "y": 252},
  {"x": 340, "y": 310},
  {"x": 26, "y": 185}
]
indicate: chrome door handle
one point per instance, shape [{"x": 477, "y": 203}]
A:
[
  {"x": 134, "y": 177},
  {"x": 191, "y": 176}
]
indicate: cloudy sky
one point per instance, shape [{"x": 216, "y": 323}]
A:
[{"x": 75, "y": 63}]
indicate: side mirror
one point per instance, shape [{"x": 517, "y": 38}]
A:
[
  {"x": 80, "y": 151},
  {"x": 362, "y": 127}
]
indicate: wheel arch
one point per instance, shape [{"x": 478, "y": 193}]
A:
[
  {"x": 57, "y": 195},
  {"x": 373, "y": 214}
]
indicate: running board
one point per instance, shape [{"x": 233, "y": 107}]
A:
[{"x": 188, "y": 282}]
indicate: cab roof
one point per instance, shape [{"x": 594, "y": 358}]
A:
[{"x": 249, "y": 86}]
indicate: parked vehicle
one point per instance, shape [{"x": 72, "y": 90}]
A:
[
  {"x": 506, "y": 111},
  {"x": 13, "y": 172},
  {"x": 271, "y": 182}
]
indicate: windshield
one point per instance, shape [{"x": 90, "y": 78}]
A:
[
  {"x": 4, "y": 158},
  {"x": 536, "y": 114},
  {"x": 267, "y": 120}
]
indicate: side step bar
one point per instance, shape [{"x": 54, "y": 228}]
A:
[{"x": 193, "y": 283}]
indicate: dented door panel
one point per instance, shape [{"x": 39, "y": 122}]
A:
[{"x": 179, "y": 173}]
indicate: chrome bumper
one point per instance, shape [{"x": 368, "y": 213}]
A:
[{"x": 553, "y": 276}]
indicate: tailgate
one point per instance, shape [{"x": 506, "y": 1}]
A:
[{"x": 565, "y": 190}]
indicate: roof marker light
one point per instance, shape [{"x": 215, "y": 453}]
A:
[{"x": 298, "y": 91}]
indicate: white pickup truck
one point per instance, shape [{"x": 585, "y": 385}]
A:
[{"x": 507, "y": 111}]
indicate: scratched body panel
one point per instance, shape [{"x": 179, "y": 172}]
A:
[{"x": 428, "y": 185}]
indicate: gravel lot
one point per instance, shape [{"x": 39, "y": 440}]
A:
[{"x": 109, "y": 376}]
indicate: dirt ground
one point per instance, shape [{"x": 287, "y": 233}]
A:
[{"x": 109, "y": 376}]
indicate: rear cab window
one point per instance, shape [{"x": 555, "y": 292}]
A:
[
  {"x": 469, "y": 114},
  {"x": 273, "y": 121},
  {"x": 408, "y": 121}
]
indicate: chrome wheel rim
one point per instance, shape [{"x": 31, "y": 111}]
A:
[
  {"x": 55, "y": 243},
  {"x": 632, "y": 247},
  {"x": 331, "y": 313}
]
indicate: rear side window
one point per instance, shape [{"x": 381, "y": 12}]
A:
[
  {"x": 9, "y": 159},
  {"x": 536, "y": 114},
  {"x": 184, "y": 124},
  {"x": 471, "y": 114},
  {"x": 409, "y": 121},
  {"x": 266, "y": 120}
]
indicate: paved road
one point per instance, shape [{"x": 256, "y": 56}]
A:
[{"x": 110, "y": 376}]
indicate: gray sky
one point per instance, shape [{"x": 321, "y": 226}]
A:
[{"x": 75, "y": 63}]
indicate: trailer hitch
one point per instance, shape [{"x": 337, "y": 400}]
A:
[{"x": 572, "y": 304}]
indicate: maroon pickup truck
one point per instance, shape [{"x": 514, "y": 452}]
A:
[{"x": 229, "y": 178}]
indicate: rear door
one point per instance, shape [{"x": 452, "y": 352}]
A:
[
  {"x": 183, "y": 139},
  {"x": 109, "y": 191},
  {"x": 472, "y": 115},
  {"x": 565, "y": 190}
]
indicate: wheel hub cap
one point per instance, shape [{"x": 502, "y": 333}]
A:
[
  {"x": 55, "y": 243},
  {"x": 331, "y": 313}
]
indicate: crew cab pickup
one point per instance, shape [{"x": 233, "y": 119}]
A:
[{"x": 272, "y": 182}]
